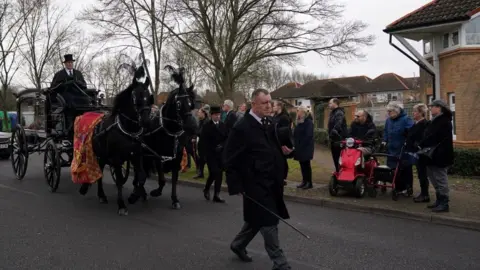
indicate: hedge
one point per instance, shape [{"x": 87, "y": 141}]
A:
[{"x": 466, "y": 162}]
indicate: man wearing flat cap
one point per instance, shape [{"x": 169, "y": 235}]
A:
[{"x": 68, "y": 74}]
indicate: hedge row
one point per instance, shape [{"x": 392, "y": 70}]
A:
[{"x": 467, "y": 161}]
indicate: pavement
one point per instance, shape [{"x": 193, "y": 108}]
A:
[{"x": 41, "y": 230}]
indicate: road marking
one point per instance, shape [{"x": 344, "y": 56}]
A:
[{"x": 19, "y": 190}]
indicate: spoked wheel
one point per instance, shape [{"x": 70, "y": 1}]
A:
[
  {"x": 125, "y": 171},
  {"x": 19, "y": 152},
  {"x": 52, "y": 165}
]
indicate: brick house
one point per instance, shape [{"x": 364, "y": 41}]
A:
[{"x": 450, "y": 59}]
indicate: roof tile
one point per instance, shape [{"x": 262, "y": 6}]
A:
[{"x": 436, "y": 12}]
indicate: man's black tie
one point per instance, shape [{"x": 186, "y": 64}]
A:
[{"x": 264, "y": 121}]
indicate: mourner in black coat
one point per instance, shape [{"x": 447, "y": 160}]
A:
[
  {"x": 414, "y": 137},
  {"x": 337, "y": 129},
  {"x": 200, "y": 156},
  {"x": 255, "y": 167},
  {"x": 68, "y": 74},
  {"x": 304, "y": 146},
  {"x": 231, "y": 117},
  {"x": 439, "y": 138},
  {"x": 363, "y": 128},
  {"x": 213, "y": 137}
]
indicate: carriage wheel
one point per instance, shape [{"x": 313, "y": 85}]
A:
[
  {"x": 19, "y": 154},
  {"x": 52, "y": 166},
  {"x": 125, "y": 171}
]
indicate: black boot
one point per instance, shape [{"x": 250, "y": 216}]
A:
[
  {"x": 436, "y": 203},
  {"x": 442, "y": 206}
]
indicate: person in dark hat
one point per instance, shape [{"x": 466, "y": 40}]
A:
[
  {"x": 68, "y": 74},
  {"x": 213, "y": 137},
  {"x": 438, "y": 145}
]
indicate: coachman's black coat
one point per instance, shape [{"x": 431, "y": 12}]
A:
[
  {"x": 62, "y": 77},
  {"x": 255, "y": 165},
  {"x": 439, "y": 134}
]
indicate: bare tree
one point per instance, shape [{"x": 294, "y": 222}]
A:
[
  {"x": 232, "y": 35},
  {"x": 11, "y": 21},
  {"x": 44, "y": 33},
  {"x": 129, "y": 25},
  {"x": 304, "y": 77},
  {"x": 107, "y": 77}
]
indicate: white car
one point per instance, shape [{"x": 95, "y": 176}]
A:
[{"x": 4, "y": 144}]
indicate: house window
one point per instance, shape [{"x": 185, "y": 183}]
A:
[
  {"x": 427, "y": 47},
  {"x": 451, "y": 102},
  {"x": 472, "y": 32},
  {"x": 446, "y": 40},
  {"x": 455, "y": 39}
]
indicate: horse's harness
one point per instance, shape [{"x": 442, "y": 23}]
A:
[{"x": 138, "y": 134}]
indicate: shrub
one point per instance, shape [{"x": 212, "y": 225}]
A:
[
  {"x": 466, "y": 162},
  {"x": 321, "y": 136},
  {"x": 380, "y": 131}
]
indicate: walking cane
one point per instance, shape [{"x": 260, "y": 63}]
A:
[{"x": 270, "y": 211}]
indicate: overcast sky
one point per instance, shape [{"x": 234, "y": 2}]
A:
[{"x": 381, "y": 58}]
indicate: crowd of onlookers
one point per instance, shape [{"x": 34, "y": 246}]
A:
[{"x": 427, "y": 144}]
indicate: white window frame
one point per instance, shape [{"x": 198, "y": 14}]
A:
[
  {"x": 429, "y": 101},
  {"x": 451, "y": 104},
  {"x": 463, "y": 36}
]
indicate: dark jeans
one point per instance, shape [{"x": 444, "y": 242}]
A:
[
  {"x": 422, "y": 178},
  {"x": 336, "y": 149},
  {"x": 271, "y": 243},
  {"x": 306, "y": 169}
]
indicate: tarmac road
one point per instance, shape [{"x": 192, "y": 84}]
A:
[{"x": 40, "y": 230}]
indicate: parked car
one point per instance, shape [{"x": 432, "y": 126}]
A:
[{"x": 4, "y": 145}]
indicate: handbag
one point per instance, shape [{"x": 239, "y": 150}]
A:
[{"x": 429, "y": 151}]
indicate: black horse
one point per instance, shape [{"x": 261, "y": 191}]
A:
[
  {"x": 117, "y": 138},
  {"x": 171, "y": 127}
]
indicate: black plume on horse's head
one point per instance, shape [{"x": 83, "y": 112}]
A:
[{"x": 176, "y": 74}]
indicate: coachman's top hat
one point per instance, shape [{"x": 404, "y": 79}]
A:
[
  {"x": 215, "y": 109},
  {"x": 68, "y": 58}
]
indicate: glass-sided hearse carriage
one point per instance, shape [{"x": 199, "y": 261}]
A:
[{"x": 44, "y": 124}]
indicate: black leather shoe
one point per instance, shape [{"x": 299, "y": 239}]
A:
[
  {"x": 242, "y": 254},
  {"x": 206, "y": 194},
  {"x": 217, "y": 199},
  {"x": 301, "y": 185},
  {"x": 307, "y": 186},
  {"x": 421, "y": 199}
]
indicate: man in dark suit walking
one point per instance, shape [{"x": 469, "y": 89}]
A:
[
  {"x": 68, "y": 74},
  {"x": 231, "y": 117},
  {"x": 213, "y": 137},
  {"x": 255, "y": 166}
]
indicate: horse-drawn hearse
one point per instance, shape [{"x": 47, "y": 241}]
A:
[{"x": 45, "y": 125}]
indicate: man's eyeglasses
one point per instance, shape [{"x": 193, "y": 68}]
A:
[{"x": 357, "y": 116}]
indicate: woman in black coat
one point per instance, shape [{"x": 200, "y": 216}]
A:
[
  {"x": 282, "y": 121},
  {"x": 438, "y": 146},
  {"x": 200, "y": 157},
  {"x": 304, "y": 146},
  {"x": 414, "y": 137}
]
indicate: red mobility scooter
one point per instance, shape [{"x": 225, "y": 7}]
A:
[{"x": 356, "y": 171}]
